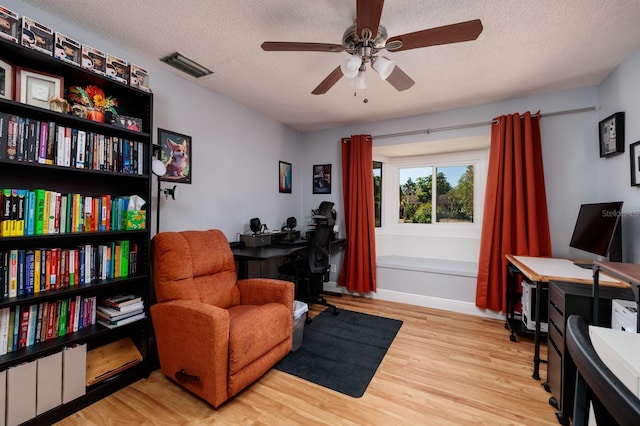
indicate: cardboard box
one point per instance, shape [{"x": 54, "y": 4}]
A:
[
  {"x": 8, "y": 24},
  {"x": 36, "y": 36},
  {"x": 117, "y": 69},
  {"x": 256, "y": 240},
  {"x": 94, "y": 60},
  {"x": 134, "y": 219},
  {"x": 67, "y": 50}
]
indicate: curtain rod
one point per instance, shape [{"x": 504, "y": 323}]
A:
[{"x": 484, "y": 123}]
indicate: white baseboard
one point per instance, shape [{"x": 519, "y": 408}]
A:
[{"x": 420, "y": 300}]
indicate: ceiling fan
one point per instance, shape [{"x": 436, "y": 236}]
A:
[{"x": 366, "y": 38}]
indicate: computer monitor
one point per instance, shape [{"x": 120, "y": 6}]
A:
[{"x": 598, "y": 230}]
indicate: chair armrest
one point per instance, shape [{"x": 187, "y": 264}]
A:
[
  {"x": 258, "y": 291},
  {"x": 194, "y": 337}
]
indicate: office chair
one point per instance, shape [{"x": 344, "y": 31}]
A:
[
  {"x": 309, "y": 272},
  {"x": 613, "y": 402}
]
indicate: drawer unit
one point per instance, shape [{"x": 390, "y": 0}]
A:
[{"x": 567, "y": 299}]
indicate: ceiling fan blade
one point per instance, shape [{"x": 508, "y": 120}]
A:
[
  {"x": 399, "y": 79},
  {"x": 328, "y": 82},
  {"x": 454, "y": 33},
  {"x": 368, "y": 13},
  {"x": 286, "y": 46}
]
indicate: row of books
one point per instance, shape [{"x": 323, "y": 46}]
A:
[
  {"x": 26, "y": 272},
  {"x": 119, "y": 310},
  {"x": 42, "y": 212},
  {"x": 26, "y": 325},
  {"x": 46, "y": 142}
]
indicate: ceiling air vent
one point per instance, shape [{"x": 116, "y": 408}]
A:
[{"x": 186, "y": 65}]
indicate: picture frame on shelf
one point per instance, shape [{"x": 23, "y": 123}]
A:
[
  {"x": 634, "y": 152},
  {"x": 611, "y": 136},
  {"x": 36, "y": 88},
  {"x": 6, "y": 80},
  {"x": 284, "y": 177},
  {"x": 322, "y": 179},
  {"x": 175, "y": 153}
]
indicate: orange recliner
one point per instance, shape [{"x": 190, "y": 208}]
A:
[{"x": 215, "y": 335}]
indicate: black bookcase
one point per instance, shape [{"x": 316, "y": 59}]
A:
[{"x": 32, "y": 175}]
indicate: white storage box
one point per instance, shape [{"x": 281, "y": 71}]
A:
[
  {"x": 299, "y": 317},
  {"x": 624, "y": 315}
]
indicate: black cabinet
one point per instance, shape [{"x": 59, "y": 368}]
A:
[
  {"x": 567, "y": 299},
  {"x": 108, "y": 178}
]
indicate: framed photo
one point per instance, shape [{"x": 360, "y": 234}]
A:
[
  {"x": 612, "y": 134},
  {"x": 634, "y": 150},
  {"x": 284, "y": 177},
  {"x": 322, "y": 179},
  {"x": 6, "y": 80},
  {"x": 36, "y": 88},
  {"x": 175, "y": 153}
]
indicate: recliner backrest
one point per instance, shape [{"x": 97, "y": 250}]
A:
[{"x": 195, "y": 265}]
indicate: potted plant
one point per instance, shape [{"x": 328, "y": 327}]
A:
[{"x": 94, "y": 99}]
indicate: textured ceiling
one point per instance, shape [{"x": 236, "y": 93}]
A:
[{"x": 526, "y": 47}]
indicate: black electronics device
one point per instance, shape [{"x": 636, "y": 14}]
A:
[
  {"x": 255, "y": 225},
  {"x": 598, "y": 230}
]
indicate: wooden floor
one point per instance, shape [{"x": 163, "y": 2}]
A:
[{"x": 443, "y": 368}]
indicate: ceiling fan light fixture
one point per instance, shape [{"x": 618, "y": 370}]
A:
[
  {"x": 383, "y": 67},
  {"x": 360, "y": 81},
  {"x": 350, "y": 66}
]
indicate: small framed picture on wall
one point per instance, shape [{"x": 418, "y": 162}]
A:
[
  {"x": 612, "y": 135},
  {"x": 322, "y": 179},
  {"x": 634, "y": 151},
  {"x": 284, "y": 177}
]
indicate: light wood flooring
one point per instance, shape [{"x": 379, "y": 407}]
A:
[{"x": 443, "y": 368}]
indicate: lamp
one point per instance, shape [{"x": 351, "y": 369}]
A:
[
  {"x": 350, "y": 66},
  {"x": 383, "y": 66},
  {"x": 170, "y": 192}
]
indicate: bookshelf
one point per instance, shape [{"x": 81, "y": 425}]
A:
[{"x": 104, "y": 181}]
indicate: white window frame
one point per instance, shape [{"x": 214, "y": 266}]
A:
[{"x": 391, "y": 200}]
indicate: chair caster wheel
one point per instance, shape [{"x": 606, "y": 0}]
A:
[
  {"x": 512, "y": 338},
  {"x": 546, "y": 387}
]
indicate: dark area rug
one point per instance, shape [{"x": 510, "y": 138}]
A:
[{"x": 342, "y": 352}]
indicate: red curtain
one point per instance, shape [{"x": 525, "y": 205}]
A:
[
  {"x": 515, "y": 207},
  {"x": 359, "y": 265}
]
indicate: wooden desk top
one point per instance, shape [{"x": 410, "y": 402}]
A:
[
  {"x": 630, "y": 272},
  {"x": 545, "y": 269}
]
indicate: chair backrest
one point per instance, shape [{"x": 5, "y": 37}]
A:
[
  {"x": 609, "y": 393},
  {"x": 195, "y": 265},
  {"x": 319, "y": 249}
]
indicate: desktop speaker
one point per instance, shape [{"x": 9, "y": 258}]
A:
[{"x": 255, "y": 225}]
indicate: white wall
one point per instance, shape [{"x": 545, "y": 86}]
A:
[{"x": 620, "y": 92}]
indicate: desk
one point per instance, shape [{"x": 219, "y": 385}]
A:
[
  {"x": 541, "y": 270},
  {"x": 244, "y": 254}
]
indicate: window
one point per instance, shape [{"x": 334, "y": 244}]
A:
[
  {"x": 452, "y": 200},
  {"x": 377, "y": 192},
  {"x": 404, "y": 197}
]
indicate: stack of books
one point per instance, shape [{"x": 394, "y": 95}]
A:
[{"x": 120, "y": 310}]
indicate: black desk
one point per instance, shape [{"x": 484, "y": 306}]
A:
[{"x": 244, "y": 254}]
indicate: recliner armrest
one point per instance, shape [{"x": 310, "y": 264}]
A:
[
  {"x": 258, "y": 291},
  {"x": 194, "y": 337}
]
